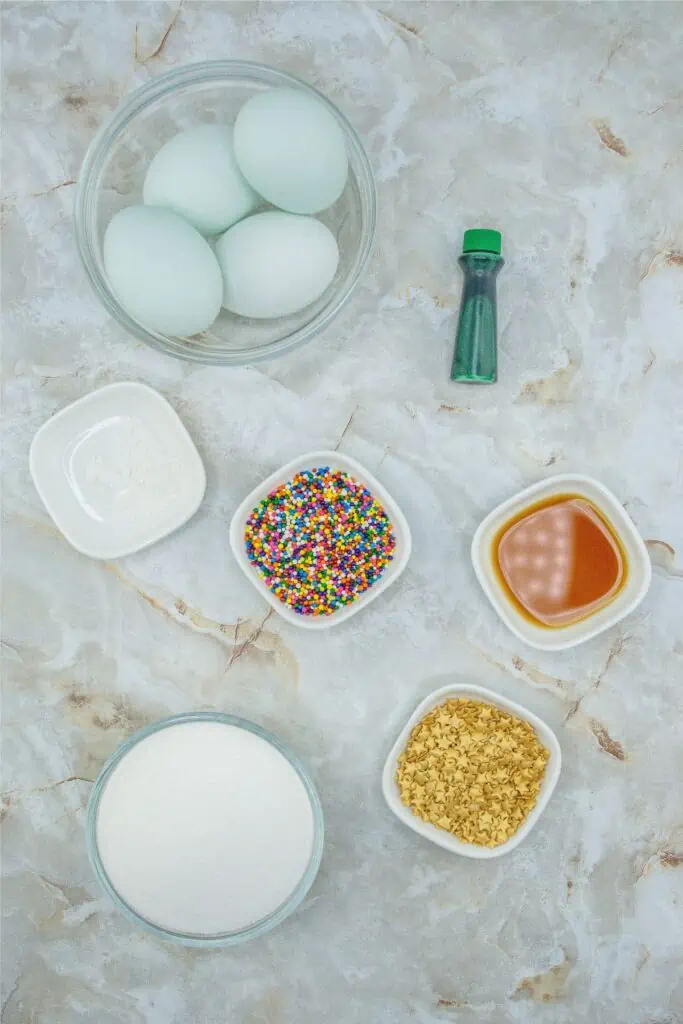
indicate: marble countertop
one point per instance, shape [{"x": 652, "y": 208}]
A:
[{"x": 561, "y": 124}]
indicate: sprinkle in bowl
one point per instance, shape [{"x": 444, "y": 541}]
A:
[
  {"x": 384, "y": 554},
  {"x": 438, "y": 835}
]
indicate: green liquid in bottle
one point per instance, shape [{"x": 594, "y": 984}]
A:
[{"x": 475, "y": 356}]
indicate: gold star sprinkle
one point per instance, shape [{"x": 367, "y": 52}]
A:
[{"x": 472, "y": 769}]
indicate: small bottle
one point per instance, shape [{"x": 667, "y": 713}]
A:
[{"x": 474, "y": 358}]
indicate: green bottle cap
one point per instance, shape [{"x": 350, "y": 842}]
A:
[{"x": 482, "y": 240}]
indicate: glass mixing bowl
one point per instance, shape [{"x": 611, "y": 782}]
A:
[
  {"x": 227, "y": 938},
  {"x": 113, "y": 172}
]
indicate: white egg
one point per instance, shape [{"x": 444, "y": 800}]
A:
[
  {"x": 162, "y": 271},
  {"x": 196, "y": 175},
  {"x": 276, "y": 263},
  {"x": 292, "y": 150}
]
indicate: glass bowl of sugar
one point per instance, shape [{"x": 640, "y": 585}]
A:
[{"x": 205, "y": 829}]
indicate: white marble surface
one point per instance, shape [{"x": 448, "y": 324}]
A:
[{"x": 563, "y": 125}]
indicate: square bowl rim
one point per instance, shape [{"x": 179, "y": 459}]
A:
[
  {"x": 112, "y": 551},
  {"x": 390, "y": 505},
  {"x": 589, "y": 629},
  {"x": 440, "y": 837}
]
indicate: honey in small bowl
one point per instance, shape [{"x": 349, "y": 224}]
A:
[{"x": 559, "y": 560}]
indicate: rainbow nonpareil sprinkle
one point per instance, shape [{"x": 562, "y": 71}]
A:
[{"x": 319, "y": 541}]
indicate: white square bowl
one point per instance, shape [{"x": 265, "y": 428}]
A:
[
  {"x": 439, "y": 835},
  {"x": 117, "y": 470},
  {"x": 559, "y": 638},
  {"x": 335, "y": 461}
]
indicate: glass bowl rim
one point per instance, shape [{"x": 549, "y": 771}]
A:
[
  {"x": 254, "y": 930},
  {"x": 88, "y": 186}
]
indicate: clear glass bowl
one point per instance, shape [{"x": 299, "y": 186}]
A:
[
  {"x": 113, "y": 173},
  {"x": 227, "y": 938}
]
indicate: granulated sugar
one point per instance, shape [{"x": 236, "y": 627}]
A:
[{"x": 204, "y": 828}]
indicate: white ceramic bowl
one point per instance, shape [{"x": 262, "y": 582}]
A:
[
  {"x": 336, "y": 462},
  {"x": 117, "y": 470},
  {"x": 627, "y": 599},
  {"x": 439, "y": 835}
]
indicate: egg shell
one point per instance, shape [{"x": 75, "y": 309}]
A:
[
  {"x": 163, "y": 272},
  {"x": 276, "y": 263},
  {"x": 195, "y": 175},
  {"x": 292, "y": 150}
]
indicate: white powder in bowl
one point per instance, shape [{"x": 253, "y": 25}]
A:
[
  {"x": 124, "y": 468},
  {"x": 204, "y": 828}
]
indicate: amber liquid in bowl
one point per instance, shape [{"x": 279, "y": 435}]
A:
[{"x": 559, "y": 560}]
